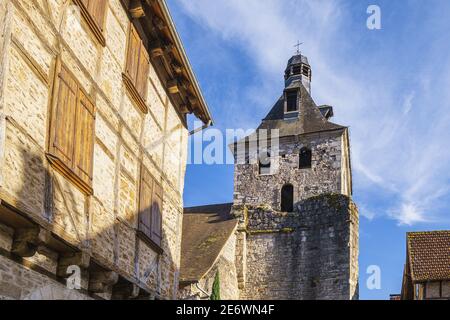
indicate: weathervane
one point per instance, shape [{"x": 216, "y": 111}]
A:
[{"x": 298, "y": 46}]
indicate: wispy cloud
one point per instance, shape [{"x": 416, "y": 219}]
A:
[
  {"x": 408, "y": 214},
  {"x": 366, "y": 213},
  {"x": 398, "y": 114},
  {"x": 408, "y": 103}
]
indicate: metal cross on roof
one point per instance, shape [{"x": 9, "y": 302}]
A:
[{"x": 298, "y": 46}]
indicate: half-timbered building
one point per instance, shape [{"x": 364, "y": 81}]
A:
[{"x": 94, "y": 100}]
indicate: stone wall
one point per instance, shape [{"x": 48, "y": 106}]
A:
[
  {"x": 311, "y": 253},
  {"x": 35, "y": 34},
  {"x": 330, "y": 171},
  {"x": 18, "y": 282}
]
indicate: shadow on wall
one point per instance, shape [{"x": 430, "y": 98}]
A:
[{"x": 54, "y": 226}]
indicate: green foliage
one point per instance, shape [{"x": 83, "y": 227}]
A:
[{"x": 215, "y": 295}]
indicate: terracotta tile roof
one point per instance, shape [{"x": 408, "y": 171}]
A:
[
  {"x": 206, "y": 229},
  {"x": 429, "y": 255}
]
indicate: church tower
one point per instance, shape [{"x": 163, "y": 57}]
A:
[{"x": 298, "y": 225}]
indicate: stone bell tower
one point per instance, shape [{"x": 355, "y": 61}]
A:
[{"x": 299, "y": 226}]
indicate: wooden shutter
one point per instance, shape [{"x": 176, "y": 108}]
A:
[
  {"x": 134, "y": 45},
  {"x": 86, "y": 3},
  {"x": 72, "y": 132},
  {"x": 63, "y": 124},
  {"x": 145, "y": 202},
  {"x": 93, "y": 12},
  {"x": 97, "y": 9},
  {"x": 157, "y": 214},
  {"x": 84, "y": 138},
  {"x": 142, "y": 73},
  {"x": 137, "y": 69}
]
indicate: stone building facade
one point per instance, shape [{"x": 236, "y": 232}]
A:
[
  {"x": 94, "y": 97},
  {"x": 297, "y": 226}
]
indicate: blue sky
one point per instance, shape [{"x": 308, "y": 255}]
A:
[{"x": 391, "y": 86}]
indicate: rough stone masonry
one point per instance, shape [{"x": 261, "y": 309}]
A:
[
  {"x": 308, "y": 254},
  {"x": 298, "y": 227}
]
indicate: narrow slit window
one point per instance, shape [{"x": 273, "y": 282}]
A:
[{"x": 287, "y": 198}]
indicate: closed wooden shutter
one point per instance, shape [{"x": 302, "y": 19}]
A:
[
  {"x": 86, "y": 3},
  {"x": 94, "y": 12},
  {"x": 134, "y": 46},
  {"x": 157, "y": 214},
  {"x": 63, "y": 126},
  {"x": 97, "y": 9},
  {"x": 84, "y": 138},
  {"x": 137, "y": 68},
  {"x": 142, "y": 74},
  {"x": 72, "y": 131},
  {"x": 145, "y": 202}
]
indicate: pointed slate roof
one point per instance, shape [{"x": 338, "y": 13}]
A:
[
  {"x": 206, "y": 230},
  {"x": 310, "y": 118}
]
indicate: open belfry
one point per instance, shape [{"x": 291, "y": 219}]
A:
[
  {"x": 94, "y": 96},
  {"x": 292, "y": 229}
]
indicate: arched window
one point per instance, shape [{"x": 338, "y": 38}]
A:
[
  {"x": 264, "y": 162},
  {"x": 287, "y": 198},
  {"x": 305, "y": 158}
]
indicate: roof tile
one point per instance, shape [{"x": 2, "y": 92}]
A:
[{"x": 429, "y": 255}]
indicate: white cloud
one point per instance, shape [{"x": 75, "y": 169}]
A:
[
  {"x": 399, "y": 136},
  {"x": 409, "y": 214}
]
